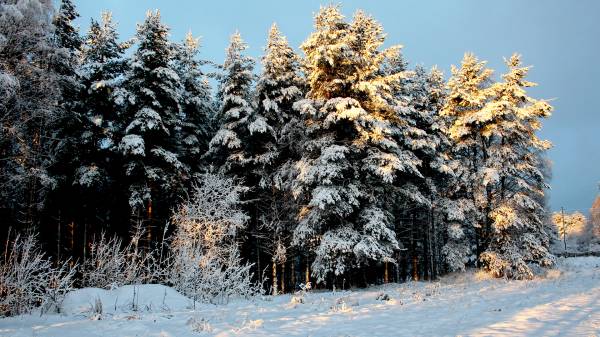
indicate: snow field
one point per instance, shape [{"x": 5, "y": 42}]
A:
[{"x": 565, "y": 302}]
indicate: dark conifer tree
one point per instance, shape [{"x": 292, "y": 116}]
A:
[{"x": 150, "y": 98}]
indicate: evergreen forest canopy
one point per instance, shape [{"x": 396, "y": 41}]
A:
[{"x": 342, "y": 165}]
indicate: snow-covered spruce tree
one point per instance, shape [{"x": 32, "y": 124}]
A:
[
  {"x": 229, "y": 148},
  {"x": 64, "y": 204},
  {"x": 451, "y": 208},
  {"x": 279, "y": 87},
  {"x": 65, "y": 34},
  {"x": 151, "y": 101},
  {"x": 97, "y": 174},
  {"x": 437, "y": 209},
  {"x": 237, "y": 143},
  {"x": 196, "y": 105},
  {"x": 417, "y": 97},
  {"x": 206, "y": 265},
  {"x": 68, "y": 43},
  {"x": 102, "y": 64},
  {"x": 468, "y": 93},
  {"x": 513, "y": 176},
  {"x": 350, "y": 156},
  {"x": 29, "y": 90},
  {"x": 450, "y": 212}
]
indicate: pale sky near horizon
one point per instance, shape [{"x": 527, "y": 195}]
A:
[{"x": 559, "y": 38}]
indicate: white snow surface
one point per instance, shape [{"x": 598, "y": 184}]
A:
[{"x": 565, "y": 302}]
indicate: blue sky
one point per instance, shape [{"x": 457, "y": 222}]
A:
[{"x": 559, "y": 38}]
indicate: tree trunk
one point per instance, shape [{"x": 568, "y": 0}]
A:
[
  {"x": 564, "y": 229},
  {"x": 149, "y": 225},
  {"x": 294, "y": 274},
  {"x": 274, "y": 286},
  {"x": 283, "y": 278},
  {"x": 385, "y": 273},
  {"x": 307, "y": 273},
  {"x": 413, "y": 254}
]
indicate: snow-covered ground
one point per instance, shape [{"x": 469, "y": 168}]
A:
[{"x": 566, "y": 302}]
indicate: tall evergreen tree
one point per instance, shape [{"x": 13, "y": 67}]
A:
[
  {"x": 279, "y": 87},
  {"x": 513, "y": 173},
  {"x": 67, "y": 35},
  {"x": 229, "y": 147},
  {"x": 67, "y": 129},
  {"x": 494, "y": 127},
  {"x": 428, "y": 206},
  {"x": 98, "y": 172},
  {"x": 244, "y": 143},
  {"x": 196, "y": 105},
  {"x": 469, "y": 92},
  {"x": 68, "y": 43},
  {"x": 350, "y": 154},
  {"x": 151, "y": 100}
]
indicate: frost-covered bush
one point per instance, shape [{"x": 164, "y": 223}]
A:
[
  {"x": 109, "y": 265},
  {"x": 300, "y": 295},
  {"x": 205, "y": 261},
  {"x": 112, "y": 264},
  {"x": 28, "y": 279}
]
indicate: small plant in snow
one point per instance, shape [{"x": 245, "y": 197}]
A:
[
  {"x": 344, "y": 304},
  {"x": 96, "y": 309},
  {"x": 301, "y": 294},
  {"x": 382, "y": 297},
  {"x": 199, "y": 325}
]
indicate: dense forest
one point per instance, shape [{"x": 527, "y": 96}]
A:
[{"x": 341, "y": 165}]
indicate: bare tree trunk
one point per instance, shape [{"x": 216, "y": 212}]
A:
[
  {"x": 260, "y": 275},
  {"x": 432, "y": 244},
  {"x": 149, "y": 225},
  {"x": 564, "y": 229},
  {"x": 274, "y": 286},
  {"x": 413, "y": 255},
  {"x": 307, "y": 273},
  {"x": 294, "y": 274},
  {"x": 84, "y": 239},
  {"x": 58, "y": 243},
  {"x": 283, "y": 278},
  {"x": 385, "y": 273},
  {"x": 72, "y": 237}
]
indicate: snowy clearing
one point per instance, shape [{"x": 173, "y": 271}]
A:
[{"x": 565, "y": 303}]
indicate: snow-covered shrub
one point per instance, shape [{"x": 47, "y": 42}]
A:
[
  {"x": 96, "y": 309},
  {"x": 205, "y": 262},
  {"x": 110, "y": 265},
  {"x": 199, "y": 325},
  {"x": 29, "y": 280},
  {"x": 382, "y": 297},
  {"x": 344, "y": 304},
  {"x": 59, "y": 282},
  {"x": 299, "y": 296}
]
